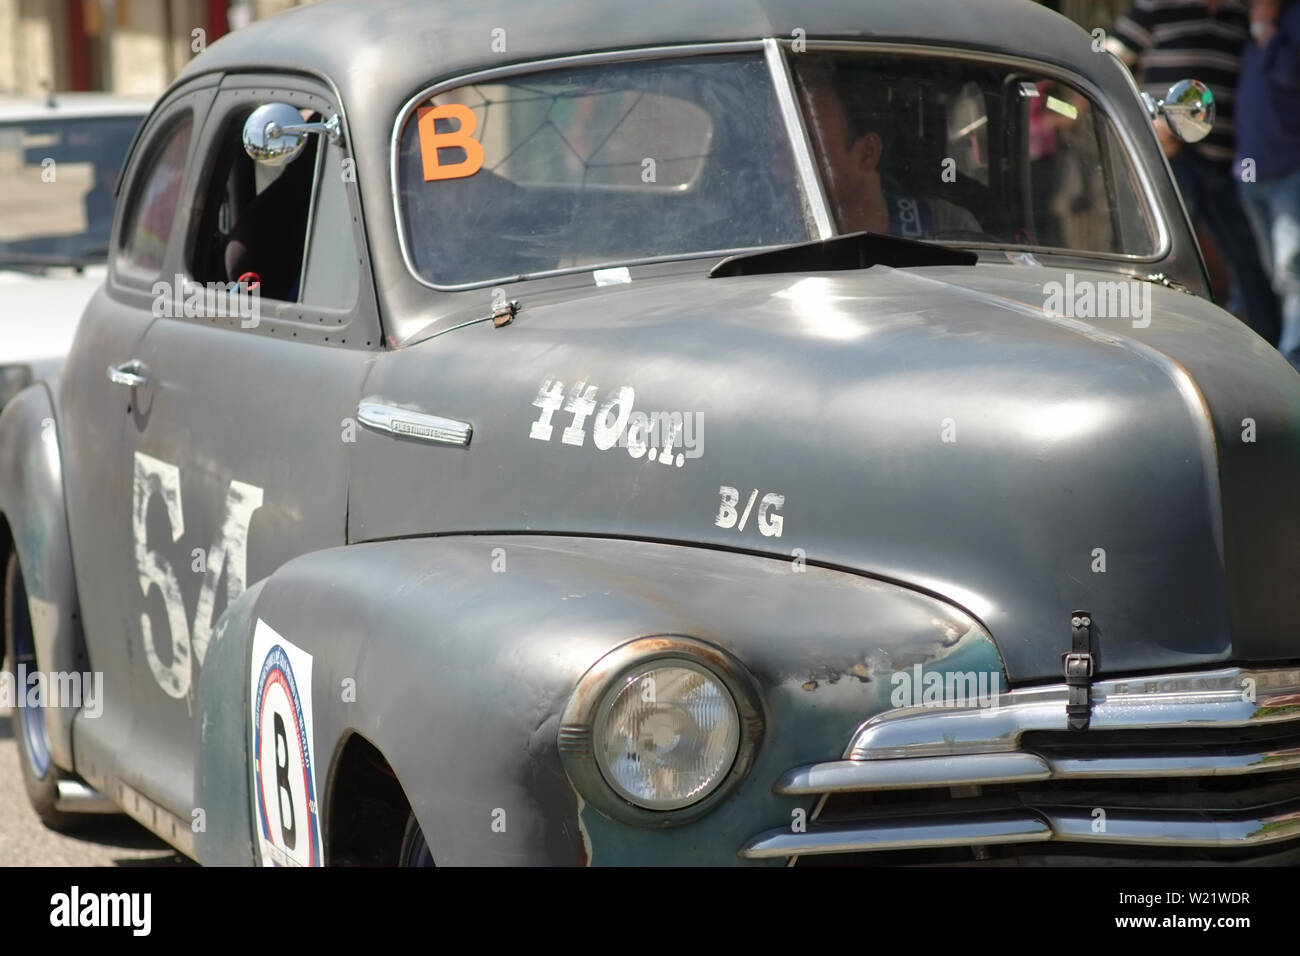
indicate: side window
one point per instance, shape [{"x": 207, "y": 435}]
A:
[
  {"x": 152, "y": 210},
  {"x": 1086, "y": 194},
  {"x": 331, "y": 275},
  {"x": 254, "y": 226},
  {"x": 256, "y": 222}
]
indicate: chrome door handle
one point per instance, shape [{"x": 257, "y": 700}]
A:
[{"x": 132, "y": 374}]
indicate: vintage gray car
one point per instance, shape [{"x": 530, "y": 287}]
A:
[{"x": 375, "y": 519}]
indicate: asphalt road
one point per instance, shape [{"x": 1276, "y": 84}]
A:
[{"x": 106, "y": 841}]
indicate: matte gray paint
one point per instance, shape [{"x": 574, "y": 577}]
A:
[
  {"x": 96, "y": 419},
  {"x": 222, "y": 781},
  {"x": 31, "y": 500},
  {"x": 462, "y": 672},
  {"x": 93, "y": 422},
  {"x": 300, "y": 461},
  {"x": 832, "y": 391},
  {"x": 241, "y": 438}
]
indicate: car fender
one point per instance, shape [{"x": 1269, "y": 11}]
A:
[
  {"x": 223, "y": 827},
  {"x": 462, "y": 652},
  {"x": 31, "y": 500}
]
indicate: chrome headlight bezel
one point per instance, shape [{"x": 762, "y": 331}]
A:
[{"x": 597, "y": 688}]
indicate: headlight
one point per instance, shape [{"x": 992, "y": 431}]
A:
[
  {"x": 666, "y": 734},
  {"x": 660, "y": 730}
]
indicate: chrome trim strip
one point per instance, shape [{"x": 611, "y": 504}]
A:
[
  {"x": 406, "y": 423},
  {"x": 800, "y": 143},
  {"x": 1201, "y": 765},
  {"x": 901, "y": 834},
  {"x": 848, "y": 776},
  {"x": 1172, "y": 828},
  {"x": 598, "y": 266},
  {"x": 916, "y": 773},
  {"x": 1219, "y": 698}
]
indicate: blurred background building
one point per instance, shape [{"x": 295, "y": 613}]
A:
[
  {"x": 128, "y": 46},
  {"x": 138, "y": 46}
]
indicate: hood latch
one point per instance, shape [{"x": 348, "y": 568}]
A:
[{"x": 1078, "y": 671}]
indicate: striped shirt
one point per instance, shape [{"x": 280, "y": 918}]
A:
[{"x": 1176, "y": 40}]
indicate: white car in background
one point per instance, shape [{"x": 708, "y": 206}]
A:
[{"x": 60, "y": 157}]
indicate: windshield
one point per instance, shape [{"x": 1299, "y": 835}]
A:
[
  {"x": 596, "y": 166},
  {"x": 958, "y": 150},
  {"x": 57, "y": 178},
  {"x": 600, "y": 164}
]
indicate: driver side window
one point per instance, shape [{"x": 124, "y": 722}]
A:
[{"x": 259, "y": 222}]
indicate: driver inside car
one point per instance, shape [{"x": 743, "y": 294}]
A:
[{"x": 846, "y": 123}]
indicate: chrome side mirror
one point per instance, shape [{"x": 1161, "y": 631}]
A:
[
  {"x": 275, "y": 134},
  {"x": 1188, "y": 108}
]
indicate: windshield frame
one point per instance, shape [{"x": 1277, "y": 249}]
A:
[{"x": 775, "y": 52}]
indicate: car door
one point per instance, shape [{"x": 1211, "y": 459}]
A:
[
  {"x": 98, "y": 405},
  {"x": 239, "y": 461}
]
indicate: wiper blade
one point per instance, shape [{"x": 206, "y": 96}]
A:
[{"x": 858, "y": 250}]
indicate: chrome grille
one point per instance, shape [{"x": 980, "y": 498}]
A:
[{"x": 1194, "y": 765}]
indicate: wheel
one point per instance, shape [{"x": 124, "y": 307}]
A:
[
  {"x": 415, "y": 849},
  {"x": 40, "y": 776}
]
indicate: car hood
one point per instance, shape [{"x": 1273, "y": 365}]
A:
[
  {"x": 936, "y": 427},
  {"x": 39, "y": 313}
]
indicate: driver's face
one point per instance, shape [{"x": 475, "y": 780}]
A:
[{"x": 849, "y": 166}]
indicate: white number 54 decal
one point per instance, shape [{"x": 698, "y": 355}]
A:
[{"x": 230, "y": 552}]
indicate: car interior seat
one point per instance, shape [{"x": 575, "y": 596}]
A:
[{"x": 269, "y": 233}]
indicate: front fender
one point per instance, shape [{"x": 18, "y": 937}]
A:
[
  {"x": 462, "y": 653},
  {"x": 221, "y": 769},
  {"x": 31, "y": 500}
]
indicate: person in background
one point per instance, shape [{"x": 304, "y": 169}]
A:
[
  {"x": 1171, "y": 40},
  {"x": 1268, "y": 152}
]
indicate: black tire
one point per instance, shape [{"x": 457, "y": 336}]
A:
[
  {"x": 40, "y": 776},
  {"x": 415, "y": 849}
]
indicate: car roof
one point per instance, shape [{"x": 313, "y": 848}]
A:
[
  {"x": 381, "y": 52},
  {"x": 71, "y": 106}
]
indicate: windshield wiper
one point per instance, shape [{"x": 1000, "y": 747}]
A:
[{"x": 858, "y": 250}]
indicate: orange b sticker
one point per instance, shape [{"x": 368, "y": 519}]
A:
[{"x": 462, "y": 136}]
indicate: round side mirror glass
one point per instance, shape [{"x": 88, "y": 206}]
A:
[
  {"x": 1189, "y": 110},
  {"x": 265, "y": 139}
]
